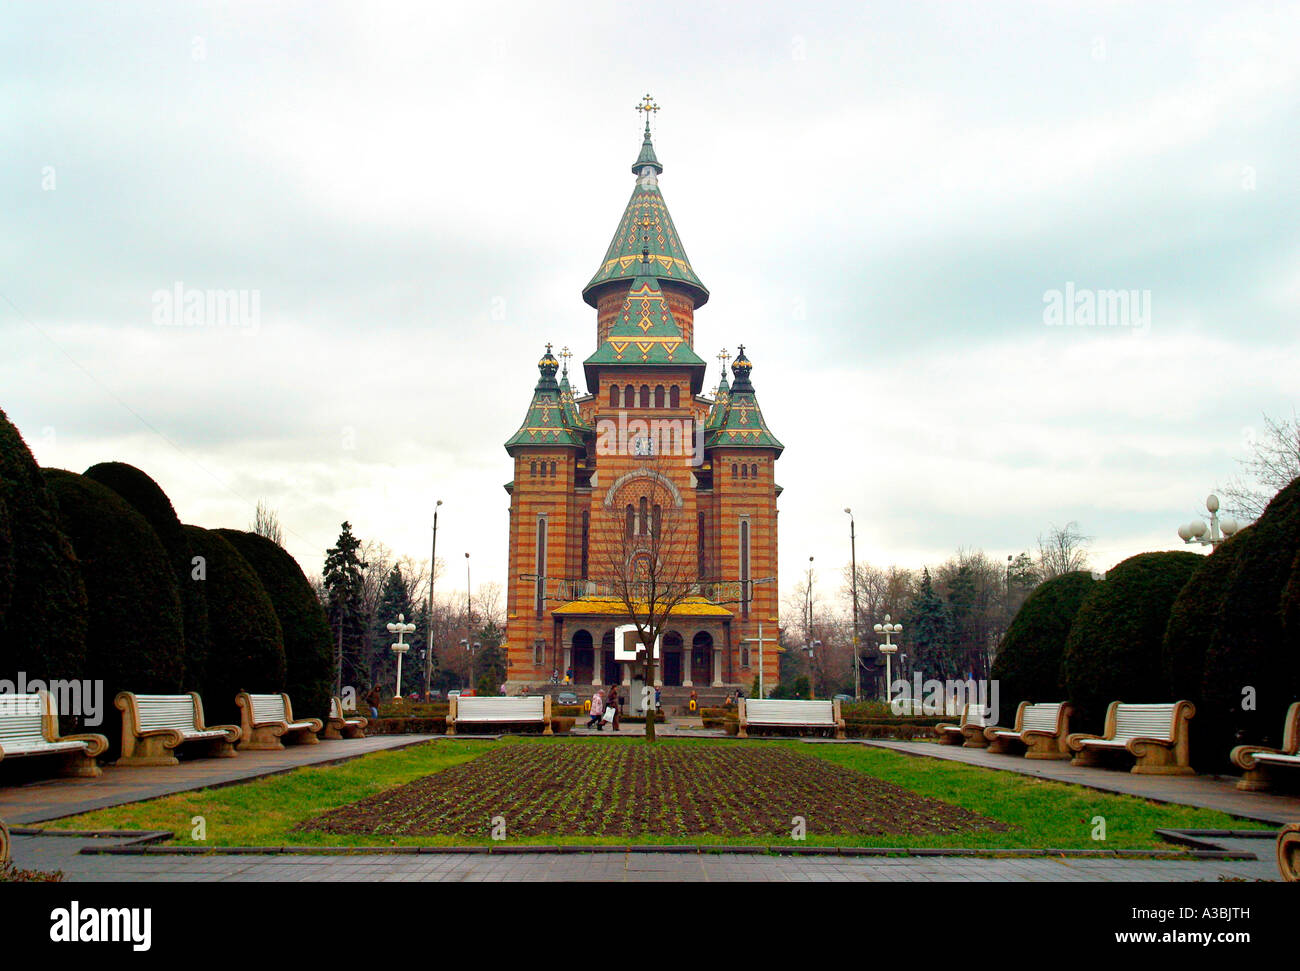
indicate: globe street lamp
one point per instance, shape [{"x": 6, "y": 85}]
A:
[
  {"x": 1215, "y": 533},
  {"x": 889, "y": 649},
  {"x": 401, "y": 629}
]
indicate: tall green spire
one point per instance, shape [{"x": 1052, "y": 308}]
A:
[
  {"x": 547, "y": 421},
  {"x": 646, "y": 229},
  {"x": 742, "y": 424}
]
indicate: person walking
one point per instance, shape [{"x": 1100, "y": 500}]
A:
[
  {"x": 616, "y": 703},
  {"x": 374, "y": 699},
  {"x": 597, "y": 709}
]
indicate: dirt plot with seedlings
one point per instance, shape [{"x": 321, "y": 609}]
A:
[{"x": 637, "y": 790}]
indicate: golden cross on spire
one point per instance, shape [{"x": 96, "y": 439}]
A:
[
  {"x": 724, "y": 356},
  {"x": 565, "y": 354},
  {"x": 647, "y": 105}
]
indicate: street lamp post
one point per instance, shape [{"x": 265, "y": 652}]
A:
[
  {"x": 401, "y": 629},
  {"x": 433, "y": 571},
  {"x": 471, "y": 648},
  {"x": 888, "y": 649},
  {"x": 1218, "y": 529},
  {"x": 853, "y": 554}
]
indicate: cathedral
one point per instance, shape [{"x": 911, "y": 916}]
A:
[{"x": 644, "y": 453}]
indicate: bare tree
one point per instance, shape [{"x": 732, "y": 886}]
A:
[
  {"x": 1062, "y": 550},
  {"x": 266, "y": 522},
  {"x": 645, "y": 556},
  {"x": 1273, "y": 466}
]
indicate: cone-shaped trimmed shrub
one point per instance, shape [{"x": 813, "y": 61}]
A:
[
  {"x": 245, "y": 645},
  {"x": 133, "y": 632},
  {"x": 1113, "y": 652},
  {"x": 43, "y": 622},
  {"x": 1247, "y": 660},
  {"x": 308, "y": 653},
  {"x": 6, "y": 560},
  {"x": 1028, "y": 665},
  {"x": 148, "y": 499}
]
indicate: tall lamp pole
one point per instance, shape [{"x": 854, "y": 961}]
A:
[
  {"x": 433, "y": 571},
  {"x": 853, "y": 553},
  {"x": 888, "y": 649}
]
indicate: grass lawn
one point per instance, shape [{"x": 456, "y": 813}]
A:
[{"x": 619, "y": 791}]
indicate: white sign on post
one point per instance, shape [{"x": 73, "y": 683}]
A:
[{"x": 628, "y": 646}]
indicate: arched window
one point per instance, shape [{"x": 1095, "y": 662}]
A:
[
  {"x": 674, "y": 397},
  {"x": 553, "y": 470},
  {"x": 629, "y": 397},
  {"x": 753, "y": 470},
  {"x": 540, "y": 601},
  {"x": 586, "y": 540},
  {"x": 532, "y": 467},
  {"x": 644, "y": 400},
  {"x": 744, "y": 471},
  {"x": 733, "y": 470},
  {"x": 613, "y": 395},
  {"x": 643, "y": 522},
  {"x": 659, "y": 396},
  {"x": 744, "y": 567},
  {"x": 629, "y": 528}
]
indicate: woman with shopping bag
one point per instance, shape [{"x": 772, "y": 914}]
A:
[
  {"x": 611, "y": 709},
  {"x": 597, "y": 709}
]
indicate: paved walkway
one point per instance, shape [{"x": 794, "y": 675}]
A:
[
  {"x": 1207, "y": 792},
  {"x": 48, "y": 799},
  {"x": 61, "y": 853}
]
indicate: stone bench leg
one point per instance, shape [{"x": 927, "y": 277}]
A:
[
  {"x": 263, "y": 739},
  {"x": 974, "y": 738},
  {"x": 80, "y": 765},
  {"x": 1288, "y": 852},
  {"x": 1044, "y": 747},
  {"x": 303, "y": 736},
  {"x": 1159, "y": 760},
  {"x": 1255, "y": 780},
  {"x": 1088, "y": 757},
  {"x": 149, "y": 750},
  {"x": 1001, "y": 745},
  {"x": 331, "y": 732},
  {"x": 949, "y": 738},
  {"x": 221, "y": 749}
]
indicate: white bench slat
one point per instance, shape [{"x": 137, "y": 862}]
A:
[
  {"x": 1277, "y": 757},
  {"x": 475, "y": 709},
  {"x": 766, "y": 711},
  {"x": 268, "y": 708},
  {"x": 1040, "y": 717},
  {"x": 1144, "y": 721},
  {"x": 174, "y": 712}
]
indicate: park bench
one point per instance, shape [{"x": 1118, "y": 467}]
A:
[
  {"x": 1259, "y": 761},
  {"x": 29, "y": 725},
  {"x": 474, "y": 710},
  {"x": 1155, "y": 735},
  {"x": 1041, "y": 729},
  {"x": 267, "y": 719},
  {"x": 798, "y": 715},
  {"x": 154, "y": 725},
  {"x": 1288, "y": 852},
  {"x": 970, "y": 733},
  {"x": 339, "y": 726}
]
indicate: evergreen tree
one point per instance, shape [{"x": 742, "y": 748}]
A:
[
  {"x": 394, "y": 599},
  {"x": 929, "y": 632},
  {"x": 344, "y": 582}
]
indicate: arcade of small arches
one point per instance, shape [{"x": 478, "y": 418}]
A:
[
  {"x": 689, "y": 658},
  {"x": 630, "y": 396}
]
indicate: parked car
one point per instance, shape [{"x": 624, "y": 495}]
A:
[
  {"x": 566, "y": 698},
  {"x": 843, "y": 698},
  {"x": 453, "y": 693}
]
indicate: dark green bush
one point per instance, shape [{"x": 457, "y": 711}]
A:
[
  {"x": 1113, "y": 652},
  {"x": 245, "y": 647},
  {"x": 408, "y": 726},
  {"x": 147, "y": 498},
  {"x": 1028, "y": 663},
  {"x": 134, "y": 633},
  {"x": 43, "y": 617},
  {"x": 308, "y": 649},
  {"x": 1247, "y": 655}
]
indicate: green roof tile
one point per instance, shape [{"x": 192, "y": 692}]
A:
[
  {"x": 547, "y": 421},
  {"x": 742, "y": 424}
]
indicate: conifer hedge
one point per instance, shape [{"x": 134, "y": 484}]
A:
[
  {"x": 1028, "y": 663},
  {"x": 1114, "y": 651},
  {"x": 148, "y": 499},
  {"x": 245, "y": 643},
  {"x": 134, "y": 638},
  {"x": 308, "y": 652},
  {"x": 43, "y": 616}
]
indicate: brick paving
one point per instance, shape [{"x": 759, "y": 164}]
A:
[{"x": 1204, "y": 791}]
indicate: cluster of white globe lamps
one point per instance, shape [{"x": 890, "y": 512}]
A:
[{"x": 1212, "y": 533}]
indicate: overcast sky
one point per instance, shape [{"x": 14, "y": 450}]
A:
[{"x": 882, "y": 199}]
